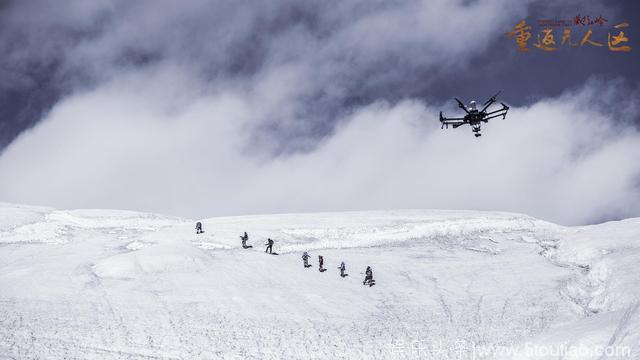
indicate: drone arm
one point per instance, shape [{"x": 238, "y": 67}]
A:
[
  {"x": 504, "y": 115},
  {"x": 496, "y": 111},
  {"x": 490, "y": 101},
  {"x": 444, "y": 119},
  {"x": 461, "y": 105},
  {"x": 450, "y": 121},
  {"x": 505, "y": 108},
  {"x": 487, "y": 104}
]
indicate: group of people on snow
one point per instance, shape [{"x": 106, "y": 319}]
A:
[
  {"x": 305, "y": 260},
  {"x": 368, "y": 279}
]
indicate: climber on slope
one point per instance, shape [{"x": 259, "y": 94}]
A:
[
  {"x": 342, "y": 269},
  {"x": 269, "y": 246},
  {"x": 305, "y": 259},
  {"x": 244, "y": 239}
]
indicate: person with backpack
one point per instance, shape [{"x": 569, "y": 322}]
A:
[
  {"x": 269, "y": 246},
  {"x": 244, "y": 239}
]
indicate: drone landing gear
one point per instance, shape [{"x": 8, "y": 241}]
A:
[{"x": 476, "y": 130}]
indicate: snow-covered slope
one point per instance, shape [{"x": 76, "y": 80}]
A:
[{"x": 97, "y": 284}]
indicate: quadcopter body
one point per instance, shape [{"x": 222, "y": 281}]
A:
[{"x": 475, "y": 117}]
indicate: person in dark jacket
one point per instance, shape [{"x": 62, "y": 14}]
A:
[
  {"x": 305, "y": 259},
  {"x": 368, "y": 277},
  {"x": 342, "y": 269},
  {"x": 269, "y": 246},
  {"x": 321, "y": 262},
  {"x": 199, "y": 228},
  {"x": 244, "y": 239}
]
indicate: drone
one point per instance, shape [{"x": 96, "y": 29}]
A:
[{"x": 474, "y": 117}]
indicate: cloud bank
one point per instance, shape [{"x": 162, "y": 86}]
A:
[
  {"x": 311, "y": 60},
  {"x": 146, "y": 142},
  {"x": 219, "y": 109}
]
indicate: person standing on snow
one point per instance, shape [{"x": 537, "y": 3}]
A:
[
  {"x": 199, "y": 228},
  {"x": 368, "y": 277},
  {"x": 244, "y": 239},
  {"x": 305, "y": 259},
  {"x": 342, "y": 268},
  {"x": 321, "y": 262},
  {"x": 269, "y": 246}
]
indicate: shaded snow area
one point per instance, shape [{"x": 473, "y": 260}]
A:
[{"x": 104, "y": 284}]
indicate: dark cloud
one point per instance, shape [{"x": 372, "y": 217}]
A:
[
  {"x": 340, "y": 55},
  {"x": 347, "y": 54}
]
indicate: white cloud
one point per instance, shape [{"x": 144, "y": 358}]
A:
[{"x": 148, "y": 141}]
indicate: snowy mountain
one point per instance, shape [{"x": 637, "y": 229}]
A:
[{"x": 105, "y": 284}]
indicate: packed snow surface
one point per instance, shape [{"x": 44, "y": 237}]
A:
[{"x": 107, "y": 284}]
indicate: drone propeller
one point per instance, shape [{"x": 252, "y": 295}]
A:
[{"x": 492, "y": 99}]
